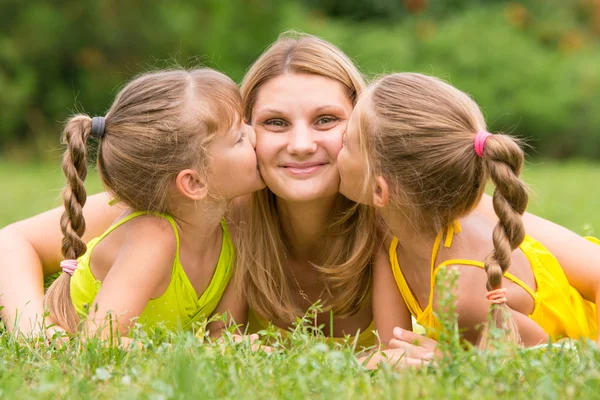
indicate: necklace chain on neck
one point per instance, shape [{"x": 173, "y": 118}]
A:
[{"x": 301, "y": 291}]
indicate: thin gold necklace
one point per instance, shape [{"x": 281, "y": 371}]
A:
[{"x": 301, "y": 291}]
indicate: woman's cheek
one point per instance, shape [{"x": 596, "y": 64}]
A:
[
  {"x": 264, "y": 147},
  {"x": 336, "y": 142}
]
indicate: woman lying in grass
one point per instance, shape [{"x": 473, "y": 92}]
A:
[
  {"x": 299, "y": 241},
  {"x": 417, "y": 149}
]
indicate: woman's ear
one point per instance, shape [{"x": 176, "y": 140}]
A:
[
  {"x": 381, "y": 192},
  {"x": 191, "y": 184}
]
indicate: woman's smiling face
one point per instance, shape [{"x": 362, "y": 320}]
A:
[{"x": 300, "y": 120}]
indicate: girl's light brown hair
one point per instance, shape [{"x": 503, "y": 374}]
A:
[
  {"x": 348, "y": 242},
  {"x": 159, "y": 124},
  {"x": 418, "y": 133}
]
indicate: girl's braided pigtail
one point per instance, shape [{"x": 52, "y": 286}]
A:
[{"x": 72, "y": 223}]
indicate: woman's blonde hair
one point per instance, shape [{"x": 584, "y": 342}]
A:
[
  {"x": 349, "y": 239},
  {"x": 159, "y": 124},
  {"x": 418, "y": 133}
]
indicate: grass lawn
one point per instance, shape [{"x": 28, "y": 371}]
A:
[{"x": 187, "y": 367}]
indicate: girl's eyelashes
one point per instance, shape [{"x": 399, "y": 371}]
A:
[
  {"x": 344, "y": 139},
  {"x": 242, "y": 137}
]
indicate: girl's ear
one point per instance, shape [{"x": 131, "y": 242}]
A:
[
  {"x": 381, "y": 192},
  {"x": 191, "y": 184}
]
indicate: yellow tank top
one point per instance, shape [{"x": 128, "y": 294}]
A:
[
  {"x": 365, "y": 339},
  {"x": 558, "y": 307},
  {"x": 179, "y": 305}
]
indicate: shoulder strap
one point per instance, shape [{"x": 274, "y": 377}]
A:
[
  {"x": 453, "y": 228},
  {"x": 139, "y": 213},
  {"x": 409, "y": 298},
  {"x": 450, "y": 231}
]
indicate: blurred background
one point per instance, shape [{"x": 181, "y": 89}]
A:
[{"x": 532, "y": 65}]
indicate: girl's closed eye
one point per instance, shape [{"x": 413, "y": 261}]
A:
[{"x": 242, "y": 137}]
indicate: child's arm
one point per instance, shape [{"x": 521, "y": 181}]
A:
[
  {"x": 389, "y": 308},
  {"x": 31, "y": 250},
  {"x": 141, "y": 271},
  {"x": 473, "y": 309},
  {"x": 578, "y": 257},
  {"x": 234, "y": 307}
]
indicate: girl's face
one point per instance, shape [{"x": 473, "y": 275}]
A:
[
  {"x": 299, "y": 121},
  {"x": 233, "y": 167},
  {"x": 351, "y": 161}
]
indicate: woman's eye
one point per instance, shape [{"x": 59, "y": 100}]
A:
[
  {"x": 275, "y": 122},
  {"x": 327, "y": 120}
]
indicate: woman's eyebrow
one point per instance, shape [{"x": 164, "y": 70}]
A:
[
  {"x": 331, "y": 107},
  {"x": 327, "y": 107},
  {"x": 268, "y": 111}
]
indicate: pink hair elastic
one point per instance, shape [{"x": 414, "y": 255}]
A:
[
  {"x": 69, "y": 266},
  {"x": 497, "y": 296},
  {"x": 479, "y": 143}
]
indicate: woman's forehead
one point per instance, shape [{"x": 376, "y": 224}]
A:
[{"x": 301, "y": 90}]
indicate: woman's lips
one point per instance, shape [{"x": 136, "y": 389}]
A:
[{"x": 303, "y": 168}]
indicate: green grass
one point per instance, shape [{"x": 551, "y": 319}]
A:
[
  {"x": 188, "y": 367},
  {"x": 184, "y": 366},
  {"x": 28, "y": 189},
  {"x": 566, "y": 193}
]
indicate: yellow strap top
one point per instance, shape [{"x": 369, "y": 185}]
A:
[
  {"x": 179, "y": 305},
  {"x": 558, "y": 308},
  {"x": 366, "y": 339}
]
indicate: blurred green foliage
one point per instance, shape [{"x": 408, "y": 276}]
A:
[
  {"x": 61, "y": 55},
  {"x": 532, "y": 65}
]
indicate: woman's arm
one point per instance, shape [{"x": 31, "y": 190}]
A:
[
  {"x": 389, "y": 308},
  {"x": 31, "y": 250}
]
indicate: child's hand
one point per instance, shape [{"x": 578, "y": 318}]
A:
[
  {"x": 253, "y": 339},
  {"x": 56, "y": 336},
  {"x": 416, "y": 346},
  {"x": 401, "y": 358}
]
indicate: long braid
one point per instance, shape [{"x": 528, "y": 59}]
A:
[
  {"x": 504, "y": 160},
  {"x": 72, "y": 223}
]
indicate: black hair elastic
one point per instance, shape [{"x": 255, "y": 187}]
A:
[{"x": 98, "y": 127}]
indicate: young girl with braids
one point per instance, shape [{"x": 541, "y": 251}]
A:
[
  {"x": 173, "y": 150},
  {"x": 417, "y": 149}
]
